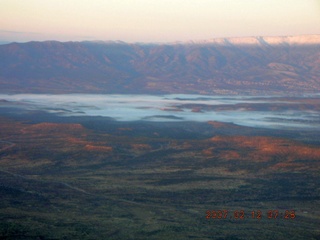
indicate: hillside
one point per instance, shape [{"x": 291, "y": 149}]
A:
[{"x": 253, "y": 65}]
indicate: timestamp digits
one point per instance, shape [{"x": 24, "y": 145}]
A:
[
  {"x": 254, "y": 214},
  {"x": 219, "y": 214}
]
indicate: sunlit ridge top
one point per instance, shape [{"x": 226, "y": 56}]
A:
[{"x": 273, "y": 40}]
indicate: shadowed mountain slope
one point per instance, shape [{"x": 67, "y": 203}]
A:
[{"x": 259, "y": 65}]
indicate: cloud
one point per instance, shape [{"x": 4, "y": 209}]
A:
[{"x": 17, "y": 32}]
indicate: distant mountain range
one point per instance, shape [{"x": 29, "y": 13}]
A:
[{"x": 252, "y": 65}]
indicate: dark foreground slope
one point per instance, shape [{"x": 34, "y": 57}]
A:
[
  {"x": 108, "y": 180},
  {"x": 228, "y": 66}
]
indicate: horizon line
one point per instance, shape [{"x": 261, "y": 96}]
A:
[{"x": 201, "y": 41}]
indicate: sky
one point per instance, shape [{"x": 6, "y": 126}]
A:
[{"x": 154, "y": 20}]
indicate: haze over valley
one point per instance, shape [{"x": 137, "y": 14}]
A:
[{"x": 264, "y": 112}]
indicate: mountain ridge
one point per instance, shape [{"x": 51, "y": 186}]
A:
[
  {"x": 253, "y": 65},
  {"x": 289, "y": 39},
  {"x": 267, "y": 40}
]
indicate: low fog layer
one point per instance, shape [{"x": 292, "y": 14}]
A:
[{"x": 267, "y": 112}]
